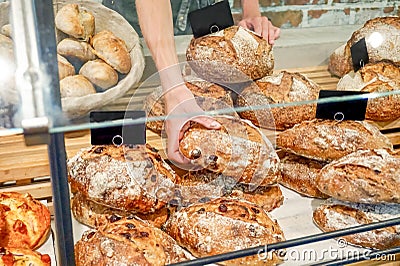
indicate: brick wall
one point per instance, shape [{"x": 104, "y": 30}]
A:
[{"x": 316, "y": 13}]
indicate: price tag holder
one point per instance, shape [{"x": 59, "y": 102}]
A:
[
  {"x": 211, "y": 19},
  {"x": 117, "y": 135},
  {"x": 343, "y": 110},
  {"x": 359, "y": 54}
]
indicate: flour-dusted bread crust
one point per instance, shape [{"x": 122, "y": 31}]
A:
[
  {"x": 386, "y": 29},
  {"x": 283, "y": 87},
  {"x": 74, "y": 49},
  {"x": 95, "y": 215},
  {"x": 128, "y": 241},
  {"x": 76, "y": 86},
  {"x": 22, "y": 257},
  {"x": 231, "y": 55},
  {"x": 369, "y": 176},
  {"x": 222, "y": 226},
  {"x": 65, "y": 68},
  {"x": 338, "y": 215},
  {"x": 27, "y": 221},
  {"x": 328, "y": 140},
  {"x": 209, "y": 97},
  {"x": 112, "y": 50},
  {"x": 299, "y": 173},
  {"x": 134, "y": 179},
  {"x": 100, "y": 74},
  {"x": 6, "y": 30},
  {"x": 238, "y": 150}
]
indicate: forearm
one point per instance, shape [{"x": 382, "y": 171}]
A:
[{"x": 251, "y": 8}]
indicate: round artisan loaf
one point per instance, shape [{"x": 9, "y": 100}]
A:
[
  {"x": 100, "y": 74},
  {"x": 328, "y": 140},
  {"x": 65, "y": 68},
  {"x": 128, "y": 241},
  {"x": 75, "y": 50},
  {"x": 238, "y": 150},
  {"x": 299, "y": 173},
  {"x": 367, "y": 176},
  {"x": 337, "y": 215},
  {"x": 225, "y": 225},
  {"x": 209, "y": 96},
  {"x": 76, "y": 86},
  {"x": 129, "y": 178},
  {"x": 284, "y": 87},
  {"x": 22, "y": 257},
  {"x": 27, "y": 221},
  {"x": 232, "y": 55}
]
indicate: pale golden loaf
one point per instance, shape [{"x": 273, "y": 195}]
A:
[
  {"x": 6, "y": 30},
  {"x": 76, "y": 86},
  {"x": 23, "y": 257},
  {"x": 75, "y": 50},
  {"x": 100, "y": 74},
  {"x": 65, "y": 68}
]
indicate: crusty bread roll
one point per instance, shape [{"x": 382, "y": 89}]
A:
[
  {"x": 100, "y": 74},
  {"x": 223, "y": 225},
  {"x": 209, "y": 96},
  {"x": 74, "y": 49},
  {"x": 22, "y": 257},
  {"x": 232, "y": 55},
  {"x": 128, "y": 241},
  {"x": 369, "y": 176},
  {"x": 112, "y": 50},
  {"x": 94, "y": 215},
  {"x": 283, "y": 87},
  {"x": 238, "y": 150},
  {"x": 328, "y": 140},
  {"x": 382, "y": 36},
  {"x": 3, "y": 224},
  {"x": 336, "y": 215},
  {"x": 76, "y": 22},
  {"x": 65, "y": 68},
  {"x": 6, "y": 30},
  {"x": 298, "y": 173},
  {"x": 27, "y": 221},
  {"x": 133, "y": 179},
  {"x": 76, "y": 86}
]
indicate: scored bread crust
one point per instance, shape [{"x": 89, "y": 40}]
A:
[
  {"x": 22, "y": 256},
  {"x": 128, "y": 242},
  {"x": 328, "y": 140},
  {"x": 74, "y": 49},
  {"x": 369, "y": 176},
  {"x": 283, "y": 87},
  {"x": 340, "y": 215},
  {"x": 27, "y": 221},
  {"x": 299, "y": 174},
  {"x": 132, "y": 179},
  {"x": 238, "y": 150},
  {"x": 225, "y": 225}
]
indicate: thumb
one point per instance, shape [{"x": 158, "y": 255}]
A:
[{"x": 207, "y": 121}]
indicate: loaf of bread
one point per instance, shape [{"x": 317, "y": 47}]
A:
[
  {"x": 94, "y": 215},
  {"x": 209, "y": 96},
  {"x": 298, "y": 173},
  {"x": 338, "y": 215},
  {"x": 76, "y": 86},
  {"x": 376, "y": 77},
  {"x": 75, "y": 50},
  {"x": 284, "y": 87},
  {"x": 128, "y": 241},
  {"x": 100, "y": 74},
  {"x": 382, "y": 40},
  {"x": 221, "y": 226},
  {"x": 129, "y": 178},
  {"x": 238, "y": 150},
  {"x": 232, "y": 55},
  {"x": 76, "y": 22},
  {"x": 22, "y": 257},
  {"x": 27, "y": 221},
  {"x": 65, "y": 68},
  {"x": 328, "y": 140},
  {"x": 6, "y": 30},
  {"x": 112, "y": 50},
  {"x": 369, "y": 176}
]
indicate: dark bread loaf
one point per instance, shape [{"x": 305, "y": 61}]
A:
[
  {"x": 369, "y": 176},
  {"x": 232, "y": 55},
  {"x": 341, "y": 215},
  {"x": 133, "y": 179},
  {"x": 127, "y": 241},
  {"x": 328, "y": 140},
  {"x": 298, "y": 173},
  {"x": 386, "y": 29},
  {"x": 223, "y": 225},
  {"x": 238, "y": 150},
  {"x": 23, "y": 257}
]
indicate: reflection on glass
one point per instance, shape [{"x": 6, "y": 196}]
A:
[{"x": 375, "y": 39}]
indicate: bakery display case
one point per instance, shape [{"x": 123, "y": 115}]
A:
[{"x": 276, "y": 185}]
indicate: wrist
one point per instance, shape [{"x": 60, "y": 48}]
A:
[{"x": 250, "y": 9}]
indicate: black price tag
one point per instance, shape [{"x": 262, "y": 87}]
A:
[
  {"x": 211, "y": 19},
  {"x": 359, "y": 54},
  {"x": 117, "y": 135},
  {"x": 343, "y": 110}
]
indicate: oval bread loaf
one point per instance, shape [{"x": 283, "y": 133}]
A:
[
  {"x": 76, "y": 86},
  {"x": 65, "y": 68},
  {"x": 22, "y": 257},
  {"x": 74, "y": 49},
  {"x": 100, "y": 74}
]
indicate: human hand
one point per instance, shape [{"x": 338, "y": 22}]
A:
[{"x": 262, "y": 26}]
